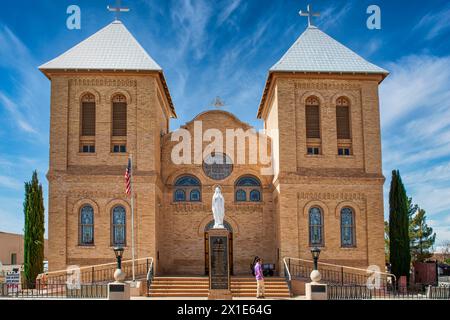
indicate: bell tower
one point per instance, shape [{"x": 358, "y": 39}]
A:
[{"x": 109, "y": 98}]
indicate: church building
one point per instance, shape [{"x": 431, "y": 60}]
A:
[{"x": 320, "y": 109}]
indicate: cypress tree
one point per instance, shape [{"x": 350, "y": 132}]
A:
[
  {"x": 34, "y": 230},
  {"x": 399, "y": 250}
]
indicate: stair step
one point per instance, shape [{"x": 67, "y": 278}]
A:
[{"x": 199, "y": 287}]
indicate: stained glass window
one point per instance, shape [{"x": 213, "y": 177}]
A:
[
  {"x": 347, "y": 227},
  {"x": 241, "y": 195},
  {"x": 119, "y": 225},
  {"x": 195, "y": 195},
  {"x": 180, "y": 195},
  {"x": 248, "y": 185},
  {"x": 187, "y": 189},
  {"x": 217, "y": 166},
  {"x": 255, "y": 195},
  {"x": 315, "y": 226},
  {"x": 248, "y": 181},
  {"x": 87, "y": 225}
]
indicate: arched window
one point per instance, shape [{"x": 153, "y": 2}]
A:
[
  {"x": 241, "y": 195},
  {"x": 315, "y": 226},
  {"x": 255, "y": 195},
  {"x": 312, "y": 119},
  {"x": 342, "y": 118},
  {"x": 343, "y": 127},
  {"x": 187, "y": 185},
  {"x": 119, "y": 115},
  {"x": 87, "y": 114},
  {"x": 195, "y": 195},
  {"x": 86, "y": 225},
  {"x": 347, "y": 227},
  {"x": 180, "y": 195},
  {"x": 250, "y": 186},
  {"x": 119, "y": 124},
  {"x": 119, "y": 226}
]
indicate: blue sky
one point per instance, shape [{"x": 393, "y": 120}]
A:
[{"x": 225, "y": 48}]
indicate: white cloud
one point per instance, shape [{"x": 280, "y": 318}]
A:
[
  {"x": 24, "y": 101},
  {"x": 331, "y": 16},
  {"x": 228, "y": 11},
  {"x": 415, "y": 113},
  {"x": 416, "y": 83},
  {"x": 435, "y": 23},
  {"x": 10, "y": 183},
  {"x": 191, "y": 19}
]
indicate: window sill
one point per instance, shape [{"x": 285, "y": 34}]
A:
[
  {"x": 85, "y": 154},
  {"x": 345, "y": 157},
  {"x": 314, "y": 155},
  {"x": 86, "y": 246},
  {"x": 349, "y": 248},
  {"x": 118, "y": 153},
  {"x": 248, "y": 202}
]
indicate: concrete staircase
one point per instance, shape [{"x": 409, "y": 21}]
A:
[{"x": 198, "y": 287}]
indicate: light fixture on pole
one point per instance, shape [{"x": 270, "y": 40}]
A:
[
  {"x": 119, "y": 275},
  {"x": 315, "y": 252},
  {"x": 315, "y": 274}
]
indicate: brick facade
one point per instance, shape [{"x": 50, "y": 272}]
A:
[{"x": 174, "y": 233}]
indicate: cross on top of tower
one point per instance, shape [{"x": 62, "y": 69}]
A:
[
  {"x": 218, "y": 102},
  {"x": 117, "y": 9},
  {"x": 308, "y": 13}
]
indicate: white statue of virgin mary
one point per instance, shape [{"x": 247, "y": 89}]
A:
[{"x": 218, "y": 208}]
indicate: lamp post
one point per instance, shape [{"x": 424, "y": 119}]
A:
[
  {"x": 315, "y": 274},
  {"x": 315, "y": 252},
  {"x": 119, "y": 275}
]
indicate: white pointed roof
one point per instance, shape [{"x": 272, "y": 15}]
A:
[
  {"x": 111, "y": 48},
  {"x": 315, "y": 51}
]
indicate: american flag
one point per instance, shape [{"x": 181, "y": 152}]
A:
[{"x": 128, "y": 178}]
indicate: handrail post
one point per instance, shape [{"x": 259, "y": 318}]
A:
[
  {"x": 342, "y": 275},
  {"x": 93, "y": 275}
]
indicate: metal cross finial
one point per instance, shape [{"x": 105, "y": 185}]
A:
[
  {"x": 308, "y": 13},
  {"x": 217, "y": 102},
  {"x": 118, "y": 9}
]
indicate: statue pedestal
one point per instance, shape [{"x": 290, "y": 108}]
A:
[
  {"x": 316, "y": 291},
  {"x": 219, "y": 266},
  {"x": 118, "y": 291}
]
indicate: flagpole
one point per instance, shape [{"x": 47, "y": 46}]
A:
[{"x": 132, "y": 216}]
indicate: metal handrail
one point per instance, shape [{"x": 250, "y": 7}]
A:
[
  {"x": 95, "y": 266},
  {"x": 335, "y": 265},
  {"x": 287, "y": 268},
  {"x": 150, "y": 269}
]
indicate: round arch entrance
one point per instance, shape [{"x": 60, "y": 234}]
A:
[{"x": 230, "y": 245}]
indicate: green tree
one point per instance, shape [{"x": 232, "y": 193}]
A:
[
  {"x": 34, "y": 229},
  {"x": 399, "y": 246},
  {"x": 422, "y": 237}
]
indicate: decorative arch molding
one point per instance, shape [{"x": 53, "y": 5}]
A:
[
  {"x": 112, "y": 92},
  {"x": 178, "y": 173},
  {"x": 119, "y": 202},
  {"x": 352, "y": 205},
  {"x": 315, "y": 203},
  {"x": 350, "y": 97},
  {"x": 316, "y": 94},
  {"x": 92, "y": 91},
  {"x": 81, "y": 203},
  {"x": 204, "y": 222}
]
